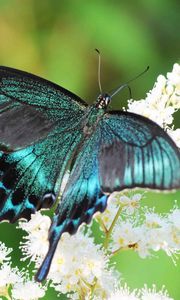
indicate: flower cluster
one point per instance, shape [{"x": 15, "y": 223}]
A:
[
  {"x": 81, "y": 269},
  {"x": 140, "y": 229},
  {"x": 162, "y": 102},
  {"x": 145, "y": 293},
  {"x": 116, "y": 200},
  {"x": 79, "y": 265},
  {"x": 15, "y": 284}
]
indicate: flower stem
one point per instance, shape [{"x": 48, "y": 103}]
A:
[
  {"x": 91, "y": 287},
  {"x": 130, "y": 246},
  {"x": 101, "y": 223},
  {"x": 109, "y": 231}
]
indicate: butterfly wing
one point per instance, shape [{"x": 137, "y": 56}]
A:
[
  {"x": 30, "y": 178},
  {"x": 38, "y": 133},
  {"x": 31, "y": 107},
  {"x": 81, "y": 198},
  {"x": 125, "y": 150},
  {"x": 136, "y": 152}
]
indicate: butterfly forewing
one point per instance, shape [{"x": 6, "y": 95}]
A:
[
  {"x": 31, "y": 107},
  {"x": 137, "y": 153},
  {"x": 37, "y": 139}
]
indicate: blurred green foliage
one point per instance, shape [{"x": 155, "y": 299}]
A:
[{"x": 56, "y": 40}]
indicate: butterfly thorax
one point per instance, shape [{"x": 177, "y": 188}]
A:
[{"x": 92, "y": 118}]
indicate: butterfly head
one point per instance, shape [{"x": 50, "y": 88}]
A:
[{"x": 103, "y": 101}]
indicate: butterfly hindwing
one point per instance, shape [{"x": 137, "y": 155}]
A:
[
  {"x": 137, "y": 153},
  {"x": 81, "y": 198},
  {"x": 31, "y": 107},
  {"x": 29, "y": 176}
]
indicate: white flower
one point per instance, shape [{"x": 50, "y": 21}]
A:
[
  {"x": 130, "y": 203},
  {"x": 77, "y": 261},
  {"x": 15, "y": 282},
  {"x": 109, "y": 280},
  {"x": 9, "y": 276},
  {"x": 28, "y": 290},
  {"x": 175, "y": 135},
  {"x": 36, "y": 244},
  {"x": 124, "y": 293},
  {"x": 4, "y": 252},
  {"x": 174, "y": 80},
  {"x": 153, "y": 232},
  {"x": 174, "y": 217},
  {"x": 37, "y": 223},
  {"x": 164, "y": 232},
  {"x": 153, "y": 220},
  {"x": 162, "y": 101},
  {"x": 124, "y": 235},
  {"x": 109, "y": 214},
  {"x": 156, "y": 239},
  {"x": 173, "y": 231},
  {"x": 143, "y": 248},
  {"x": 152, "y": 294},
  {"x": 145, "y": 293}
]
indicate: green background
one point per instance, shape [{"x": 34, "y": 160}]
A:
[{"x": 56, "y": 40}]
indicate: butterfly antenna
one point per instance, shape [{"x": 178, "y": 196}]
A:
[
  {"x": 126, "y": 84},
  {"x": 99, "y": 70}
]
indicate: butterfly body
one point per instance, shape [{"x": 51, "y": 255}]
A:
[{"x": 45, "y": 130}]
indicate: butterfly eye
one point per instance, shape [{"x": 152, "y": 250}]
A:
[
  {"x": 107, "y": 99},
  {"x": 103, "y": 100}
]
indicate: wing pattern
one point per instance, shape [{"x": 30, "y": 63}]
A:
[
  {"x": 31, "y": 107},
  {"x": 136, "y": 152},
  {"x": 29, "y": 177},
  {"x": 81, "y": 198}
]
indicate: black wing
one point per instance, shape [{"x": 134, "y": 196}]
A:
[
  {"x": 30, "y": 108},
  {"x": 136, "y": 152},
  {"x": 81, "y": 198},
  {"x": 30, "y": 178}
]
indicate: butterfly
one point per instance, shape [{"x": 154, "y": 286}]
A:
[{"x": 45, "y": 130}]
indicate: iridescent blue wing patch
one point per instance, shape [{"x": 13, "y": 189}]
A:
[
  {"x": 37, "y": 139},
  {"x": 30, "y": 178},
  {"x": 31, "y": 107},
  {"x": 81, "y": 198},
  {"x": 136, "y": 152}
]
